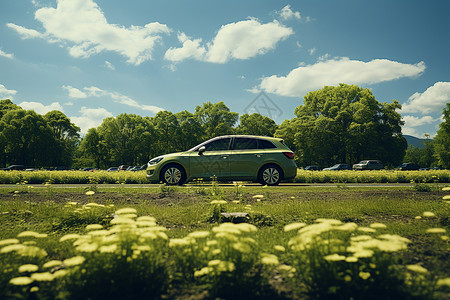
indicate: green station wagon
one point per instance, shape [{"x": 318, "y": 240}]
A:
[{"x": 234, "y": 157}]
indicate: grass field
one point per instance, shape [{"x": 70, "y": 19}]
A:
[{"x": 300, "y": 242}]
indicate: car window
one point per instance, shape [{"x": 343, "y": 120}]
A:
[
  {"x": 245, "y": 143},
  {"x": 218, "y": 145},
  {"x": 264, "y": 144}
]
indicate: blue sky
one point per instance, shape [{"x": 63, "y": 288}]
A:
[{"x": 93, "y": 59}]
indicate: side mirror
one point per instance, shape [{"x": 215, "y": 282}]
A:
[{"x": 201, "y": 150}]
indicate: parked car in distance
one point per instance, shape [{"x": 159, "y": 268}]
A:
[
  {"x": 62, "y": 168},
  {"x": 338, "y": 167},
  {"x": 123, "y": 167},
  {"x": 368, "y": 165},
  {"x": 313, "y": 168},
  {"x": 113, "y": 169},
  {"x": 14, "y": 167},
  {"x": 137, "y": 168},
  {"x": 266, "y": 160},
  {"x": 409, "y": 167}
]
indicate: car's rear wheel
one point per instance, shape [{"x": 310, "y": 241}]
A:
[
  {"x": 270, "y": 175},
  {"x": 173, "y": 174}
]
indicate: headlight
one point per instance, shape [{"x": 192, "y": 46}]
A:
[{"x": 155, "y": 160}]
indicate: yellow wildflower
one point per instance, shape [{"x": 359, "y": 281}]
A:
[
  {"x": 74, "y": 261},
  {"x": 279, "y": 248},
  {"x": 94, "y": 227},
  {"x": 72, "y": 236},
  {"x": 28, "y": 268},
  {"x": 45, "y": 276},
  {"x": 377, "y": 225},
  {"x": 199, "y": 234},
  {"x": 21, "y": 280},
  {"x": 219, "y": 202},
  {"x": 90, "y": 193},
  {"x": 8, "y": 242},
  {"x": 269, "y": 259},
  {"x": 443, "y": 282},
  {"x": 417, "y": 268},
  {"x": 293, "y": 226},
  {"x": 52, "y": 263},
  {"x": 28, "y": 234},
  {"x": 334, "y": 257},
  {"x": 124, "y": 211},
  {"x": 429, "y": 214},
  {"x": 436, "y": 230},
  {"x": 364, "y": 275}
]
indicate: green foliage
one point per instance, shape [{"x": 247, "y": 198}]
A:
[
  {"x": 344, "y": 124},
  {"x": 256, "y": 124},
  {"x": 26, "y": 138},
  {"x": 216, "y": 119},
  {"x": 442, "y": 140},
  {"x": 425, "y": 157}
]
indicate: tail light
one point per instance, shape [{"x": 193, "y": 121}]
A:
[{"x": 289, "y": 155}]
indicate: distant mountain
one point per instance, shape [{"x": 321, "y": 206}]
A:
[{"x": 415, "y": 142}]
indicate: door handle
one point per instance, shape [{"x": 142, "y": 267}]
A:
[
  {"x": 224, "y": 157},
  {"x": 258, "y": 155}
]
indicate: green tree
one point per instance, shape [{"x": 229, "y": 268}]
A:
[
  {"x": 424, "y": 157},
  {"x": 93, "y": 147},
  {"x": 191, "y": 131},
  {"x": 442, "y": 140},
  {"x": 168, "y": 133},
  {"x": 7, "y": 105},
  {"x": 256, "y": 124},
  {"x": 216, "y": 119},
  {"x": 345, "y": 124},
  {"x": 67, "y": 137},
  {"x": 26, "y": 138},
  {"x": 126, "y": 139}
]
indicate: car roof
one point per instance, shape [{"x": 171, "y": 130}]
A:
[{"x": 249, "y": 136}]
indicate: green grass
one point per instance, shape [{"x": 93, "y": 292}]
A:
[
  {"x": 183, "y": 210},
  {"x": 99, "y": 177}
]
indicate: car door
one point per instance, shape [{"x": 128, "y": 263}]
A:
[
  {"x": 246, "y": 158},
  {"x": 214, "y": 161}
]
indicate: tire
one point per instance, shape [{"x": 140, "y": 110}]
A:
[
  {"x": 270, "y": 175},
  {"x": 173, "y": 174}
]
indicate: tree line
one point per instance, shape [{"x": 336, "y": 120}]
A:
[{"x": 342, "y": 124}]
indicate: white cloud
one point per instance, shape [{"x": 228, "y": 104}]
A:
[
  {"x": 5, "y": 93},
  {"x": 115, "y": 96},
  {"x": 82, "y": 25},
  {"x": 432, "y": 100},
  {"x": 286, "y": 13},
  {"x": 338, "y": 70},
  {"x": 414, "y": 125},
  {"x": 109, "y": 65},
  {"x": 312, "y": 51},
  {"x": 41, "y": 108},
  {"x": 7, "y": 55},
  {"x": 90, "y": 118},
  {"x": 25, "y": 33},
  {"x": 190, "y": 49},
  {"x": 74, "y": 92},
  {"x": 240, "y": 40}
]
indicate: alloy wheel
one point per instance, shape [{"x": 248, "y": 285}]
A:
[
  {"x": 271, "y": 176},
  {"x": 172, "y": 175}
]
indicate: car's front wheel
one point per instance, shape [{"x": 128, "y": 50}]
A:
[
  {"x": 270, "y": 175},
  {"x": 173, "y": 175}
]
